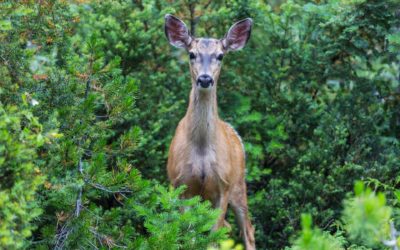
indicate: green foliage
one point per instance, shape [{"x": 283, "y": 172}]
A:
[
  {"x": 367, "y": 224},
  {"x": 20, "y": 138},
  {"x": 313, "y": 238},
  {"x": 315, "y": 96},
  {"x": 170, "y": 228},
  {"x": 93, "y": 196},
  {"x": 227, "y": 245},
  {"x": 367, "y": 217},
  {"x": 317, "y": 76}
]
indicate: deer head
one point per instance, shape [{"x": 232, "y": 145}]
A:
[{"x": 206, "y": 54}]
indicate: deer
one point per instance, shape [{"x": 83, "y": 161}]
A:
[{"x": 206, "y": 154}]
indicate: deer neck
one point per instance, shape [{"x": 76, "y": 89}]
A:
[{"x": 202, "y": 118}]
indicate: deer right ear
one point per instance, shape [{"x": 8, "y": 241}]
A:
[
  {"x": 238, "y": 35},
  {"x": 177, "y": 32}
]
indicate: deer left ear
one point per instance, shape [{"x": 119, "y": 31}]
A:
[
  {"x": 238, "y": 35},
  {"x": 177, "y": 32}
]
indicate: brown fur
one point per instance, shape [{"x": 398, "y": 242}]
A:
[{"x": 206, "y": 154}]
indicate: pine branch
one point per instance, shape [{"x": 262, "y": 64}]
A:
[
  {"x": 103, "y": 188},
  {"x": 106, "y": 239},
  {"x": 62, "y": 236},
  {"x": 80, "y": 167}
]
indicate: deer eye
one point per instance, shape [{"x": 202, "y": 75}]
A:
[
  {"x": 192, "y": 56},
  {"x": 220, "y": 56}
]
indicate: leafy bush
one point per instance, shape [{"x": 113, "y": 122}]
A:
[
  {"x": 367, "y": 217},
  {"x": 93, "y": 195},
  {"x": 366, "y": 224},
  {"x": 20, "y": 137},
  {"x": 313, "y": 238},
  {"x": 170, "y": 228}
]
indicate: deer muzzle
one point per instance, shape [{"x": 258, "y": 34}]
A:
[{"x": 205, "y": 81}]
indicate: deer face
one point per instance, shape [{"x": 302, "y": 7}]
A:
[{"x": 206, "y": 54}]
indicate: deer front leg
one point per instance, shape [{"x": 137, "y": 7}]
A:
[
  {"x": 238, "y": 201},
  {"x": 222, "y": 204}
]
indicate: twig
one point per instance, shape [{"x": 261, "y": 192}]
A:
[
  {"x": 61, "y": 237},
  {"x": 78, "y": 203},
  {"x": 80, "y": 168},
  {"x": 94, "y": 247},
  {"x": 192, "y": 7},
  {"x": 87, "y": 87},
  {"x": 103, "y": 188},
  {"x": 393, "y": 238},
  {"x": 207, "y": 4},
  {"x": 104, "y": 238}
]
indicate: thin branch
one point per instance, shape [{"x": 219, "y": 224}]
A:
[
  {"x": 87, "y": 89},
  {"x": 207, "y": 4},
  {"x": 392, "y": 243},
  {"x": 61, "y": 237},
  {"x": 103, "y": 188},
  {"x": 193, "y": 21},
  {"x": 94, "y": 247},
  {"x": 80, "y": 168},
  {"x": 78, "y": 203},
  {"x": 104, "y": 238}
]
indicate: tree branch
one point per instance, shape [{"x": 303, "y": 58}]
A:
[
  {"x": 392, "y": 243},
  {"x": 193, "y": 21}
]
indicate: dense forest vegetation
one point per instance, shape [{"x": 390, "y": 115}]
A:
[{"x": 91, "y": 93}]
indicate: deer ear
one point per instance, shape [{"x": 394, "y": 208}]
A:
[
  {"x": 238, "y": 35},
  {"x": 177, "y": 32}
]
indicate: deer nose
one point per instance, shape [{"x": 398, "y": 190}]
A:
[{"x": 205, "y": 81}]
